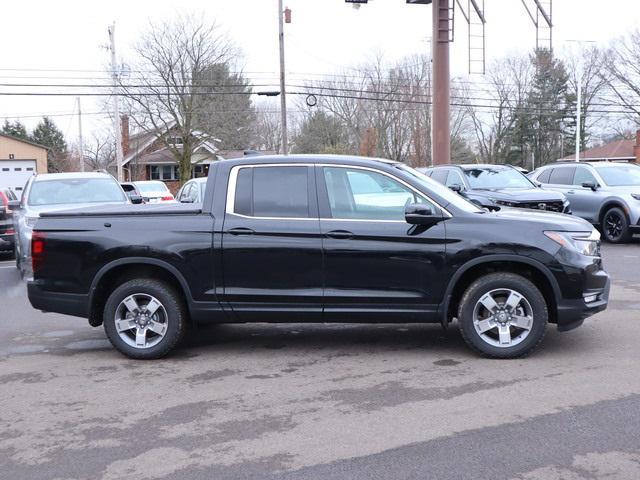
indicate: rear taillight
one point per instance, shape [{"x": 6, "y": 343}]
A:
[
  {"x": 10, "y": 231},
  {"x": 37, "y": 250},
  {"x": 167, "y": 197},
  {"x": 5, "y": 201}
]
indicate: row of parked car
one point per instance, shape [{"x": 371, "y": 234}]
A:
[
  {"x": 607, "y": 194},
  {"x": 64, "y": 191}
]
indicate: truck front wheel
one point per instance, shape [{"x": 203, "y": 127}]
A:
[
  {"x": 503, "y": 315},
  {"x": 144, "y": 318}
]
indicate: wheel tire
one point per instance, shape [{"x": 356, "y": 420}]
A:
[
  {"x": 496, "y": 282},
  {"x": 615, "y": 220},
  {"x": 171, "y": 302}
]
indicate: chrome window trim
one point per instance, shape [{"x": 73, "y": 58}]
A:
[{"x": 233, "y": 179}]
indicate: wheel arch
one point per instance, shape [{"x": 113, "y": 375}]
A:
[
  {"x": 612, "y": 203},
  {"x": 524, "y": 266},
  {"x": 120, "y": 270}
]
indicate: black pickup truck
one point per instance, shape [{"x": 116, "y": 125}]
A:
[{"x": 318, "y": 239}]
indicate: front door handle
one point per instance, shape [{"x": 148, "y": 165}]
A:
[
  {"x": 340, "y": 234},
  {"x": 241, "y": 231},
  {"x": 571, "y": 191}
]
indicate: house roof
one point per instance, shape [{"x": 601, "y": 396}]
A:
[
  {"x": 140, "y": 141},
  {"x": 163, "y": 156},
  {"x": 11, "y": 137},
  {"x": 616, "y": 150}
]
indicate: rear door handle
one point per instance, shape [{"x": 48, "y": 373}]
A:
[
  {"x": 340, "y": 234},
  {"x": 241, "y": 231}
]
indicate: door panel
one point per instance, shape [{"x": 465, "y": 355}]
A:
[
  {"x": 272, "y": 251},
  {"x": 585, "y": 203},
  {"x": 376, "y": 265}
]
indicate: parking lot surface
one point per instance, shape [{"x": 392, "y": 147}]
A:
[{"x": 324, "y": 402}]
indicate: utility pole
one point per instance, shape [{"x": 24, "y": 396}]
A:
[
  {"x": 440, "y": 142},
  {"x": 578, "y": 107},
  {"x": 116, "y": 103},
  {"x": 283, "y": 96},
  {"x": 81, "y": 146}
]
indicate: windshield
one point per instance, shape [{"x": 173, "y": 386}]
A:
[
  {"x": 76, "y": 190},
  {"x": 620, "y": 175},
  {"x": 448, "y": 195},
  {"x": 496, "y": 177},
  {"x": 151, "y": 187}
]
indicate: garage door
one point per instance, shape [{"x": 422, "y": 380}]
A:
[{"x": 15, "y": 173}]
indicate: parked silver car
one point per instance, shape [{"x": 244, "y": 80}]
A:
[
  {"x": 51, "y": 192},
  {"x": 192, "y": 191},
  {"x": 607, "y": 194}
]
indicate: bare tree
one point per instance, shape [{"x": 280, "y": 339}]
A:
[
  {"x": 623, "y": 75},
  {"x": 164, "y": 99},
  {"x": 99, "y": 152},
  {"x": 267, "y": 128},
  {"x": 593, "y": 83}
]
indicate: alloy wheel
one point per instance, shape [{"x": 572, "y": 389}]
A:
[
  {"x": 141, "y": 320},
  {"x": 503, "y": 317},
  {"x": 613, "y": 225}
]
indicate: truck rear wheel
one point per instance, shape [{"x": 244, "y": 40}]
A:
[
  {"x": 144, "y": 318},
  {"x": 503, "y": 315}
]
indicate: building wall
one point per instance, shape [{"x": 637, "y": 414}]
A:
[{"x": 23, "y": 151}]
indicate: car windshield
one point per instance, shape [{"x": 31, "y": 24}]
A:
[
  {"x": 620, "y": 175},
  {"x": 490, "y": 178},
  {"x": 151, "y": 187},
  {"x": 442, "y": 191},
  {"x": 75, "y": 190}
]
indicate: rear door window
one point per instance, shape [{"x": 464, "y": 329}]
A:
[
  {"x": 277, "y": 191},
  {"x": 562, "y": 176}
]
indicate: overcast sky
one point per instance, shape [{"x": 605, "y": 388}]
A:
[{"x": 326, "y": 36}]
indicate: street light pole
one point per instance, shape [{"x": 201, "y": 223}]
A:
[{"x": 283, "y": 96}]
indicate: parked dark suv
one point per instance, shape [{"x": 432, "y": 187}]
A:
[{"x": 496, "y": 186}]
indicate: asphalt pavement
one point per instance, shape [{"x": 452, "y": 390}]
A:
[{"x": 321, "y": 401}]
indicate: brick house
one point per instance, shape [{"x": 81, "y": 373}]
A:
[
  {"x": 620, "y": 150},
  {"x": 146, "y": 157}
]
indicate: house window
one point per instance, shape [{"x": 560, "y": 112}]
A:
[
  {"x": 198, "y": 171},
  {"x": 164, "y": 172},
  {"x": 175, "y": 141}
]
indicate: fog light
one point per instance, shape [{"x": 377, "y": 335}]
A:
[{"x": 590, "y": 298}]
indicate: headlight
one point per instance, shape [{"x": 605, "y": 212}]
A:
[
  {"x": 30, "y": 221},
  {"x": 505, "y": 203},
  {"x": 581, "y": 242},
  {"x": 636, "y": 196}
]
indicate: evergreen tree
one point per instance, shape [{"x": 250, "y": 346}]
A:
[
  {"x": 547, "y": 126},
  {"x": 321, "y": 133},
  {"x": 223, "y": 107},
  {"x": 15, "y": 129},
  {"x": 47, "y": 134}
]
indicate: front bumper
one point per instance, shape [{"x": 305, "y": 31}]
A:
[
  {"x": 73, "y": 304},
  {"x": 572, "y": 312}
]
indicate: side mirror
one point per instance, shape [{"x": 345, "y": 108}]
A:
[
  {"x": 537, "y": 183},
  {"x": 420, "y": 214},
  {"x": 590, "y": 185},
  {"x": 135, "y": 199},
  {"x": 456, "y": 188}
]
